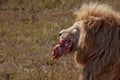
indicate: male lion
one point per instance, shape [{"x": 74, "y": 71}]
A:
[{"x": 95, "y": 40}]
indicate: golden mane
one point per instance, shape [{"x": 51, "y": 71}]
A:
[{"x": 97, "y": 10}]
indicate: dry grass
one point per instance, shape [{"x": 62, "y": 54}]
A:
[{"x": 28, "y": 31}]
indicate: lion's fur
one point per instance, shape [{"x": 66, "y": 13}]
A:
[{"x": 101, "y": 52}]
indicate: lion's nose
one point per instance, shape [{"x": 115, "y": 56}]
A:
[{"x": 60, "y": 34}]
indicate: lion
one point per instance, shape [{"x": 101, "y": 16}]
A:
[{"x": 94, "y": 39}]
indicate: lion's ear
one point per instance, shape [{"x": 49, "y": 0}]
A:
[
  {"x": 94, "y": 23},
  {"x": 110, "y": 22}
]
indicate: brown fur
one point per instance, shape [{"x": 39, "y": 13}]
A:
[{"x": 98, "y": 41}]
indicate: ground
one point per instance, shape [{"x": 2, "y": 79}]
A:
[{"x": 28, "y": 31}]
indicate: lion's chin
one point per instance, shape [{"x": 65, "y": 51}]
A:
[{"x": 63, "y": 48}]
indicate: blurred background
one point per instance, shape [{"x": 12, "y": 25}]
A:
[{"x": 28, "y": 31}]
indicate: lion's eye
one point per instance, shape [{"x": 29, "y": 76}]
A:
[{"x": 75, "y": 30}]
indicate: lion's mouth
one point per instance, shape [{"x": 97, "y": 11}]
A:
[{"x": 62, "y": 48}]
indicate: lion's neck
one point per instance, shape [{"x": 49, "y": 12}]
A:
[{"x": 81, "y": 59}]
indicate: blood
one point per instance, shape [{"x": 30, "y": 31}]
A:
[{"x": 61, "y": 49}]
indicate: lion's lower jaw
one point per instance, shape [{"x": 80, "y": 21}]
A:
[{"x": 79, "y": 60}]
